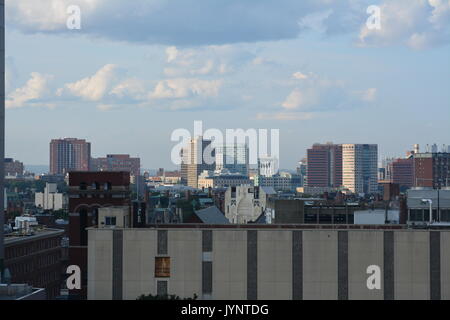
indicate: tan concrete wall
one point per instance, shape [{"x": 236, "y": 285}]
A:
[
  {"x": 412, "y": 265},
  {"x": 185, "y": 252},
  {"x": 100, "y": 265},
  {"x": 320, "y": 265},
  {"x": 229, "y": 260},
  {"x": 365, "y": 248},
  {"x": 445, "y": 265},
  {"x": 139, "y": 251},
  {"x": 274, "y": 265}
]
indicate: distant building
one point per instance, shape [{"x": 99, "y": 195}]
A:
[
  {"x": 208, "y": 179},
  {"x": 69, "y": 154},
  {"x": 50, "y": 199},
  {"x": 246, "y": 203},
  {"x": 13, "y": 168},
  {"x": 194, "y": 162},
  {"x": 360, "y": 168},
  {"x": 280, "y": 182},
  {"x": 234, "y": 158},
  {"x": 117, "y": 162},
  {"x": 402, "y": 172},
  {"x": 324, "y": 165},
  {"x": 432, "y": 170},
  {"x": 268, "y": 166}
]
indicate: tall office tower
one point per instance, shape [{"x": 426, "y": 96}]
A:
[
  {"x": 89, "y": 191},
  {"x": 69, "y": 154},
  {"x": 360, "y": 167},
  {"x": 302, "y": 171},
  {"x": 268, "y": 166},
  {"x": 432, "y": 169},
  {"x": 234, "y": 158},
  {"x": 197, "y": 156},
  {"x": 324, "y": 165},
  {"x": 117, "y": 162},
  {"x": 448, "y": 148}
]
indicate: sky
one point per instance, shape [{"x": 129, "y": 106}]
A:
[{"x": 138, "y": 70}]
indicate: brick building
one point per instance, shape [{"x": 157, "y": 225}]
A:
[
  {"x": 89, "y": 191},
  {"x": 36, "y": 259}
]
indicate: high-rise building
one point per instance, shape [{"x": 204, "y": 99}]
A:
[
  {"x": 117, "y": 162},
  {"x": 324, "y": 167},
  {"x": 432, "y": 169},
  {"x": 89, "y": 191},
  {"x": 197, "y": 157},
  {"x": 234, "y": 158},
  {"x": 360, "y": 167},
  {"x": 69, "y": 154},
  {"x": 402, "y": 172}
]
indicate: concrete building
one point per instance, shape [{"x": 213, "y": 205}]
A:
[
  {"x": 50, "y": 199},
  {"x": 360, "y": 168},
  {"x": 268, "y": 263},
  {"x": 324, "y": 165},
  {"x": 117, "y": 162},
  {"x": 69, "y": 154},
  {"x": 13, "y": 168},
  {"x": 418, "y": 202},
  {"x": 246, "y": 203}
]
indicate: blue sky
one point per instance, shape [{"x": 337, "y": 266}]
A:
[{"x": 137, "y": 70}]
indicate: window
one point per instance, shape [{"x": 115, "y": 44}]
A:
[
  {"x": 110, "y": 221},
  {"x": 162, "y": 267}
]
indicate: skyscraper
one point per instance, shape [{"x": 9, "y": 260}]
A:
[
  {"x": 197, "y": 156},
  {"x": 234, "y": 158},
  {"x": 360, "y": 167},
  {"x": 432, "y": 169},
  {"x": 69, "y": 154},
  {"x": 324, "y": 165}
]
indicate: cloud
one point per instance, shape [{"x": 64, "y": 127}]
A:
[
  {"x": 31, "y": 93},
  {"x": 184, "y": 87},
  {"x": 369, "y": 95},
  {"x": 419, "y": 24},
  {"x": 131, "y": 88},
  {"x": 300, "y": 98},
  {"x": 300, "y": 76},
  {"x": 91, "y": 88}
]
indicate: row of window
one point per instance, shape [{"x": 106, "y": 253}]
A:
[{"x": 32, "y": 247}]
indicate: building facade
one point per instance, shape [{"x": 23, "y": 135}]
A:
[
  {"x": 246, "y": 203},
  {"x": 69, "y": 154},
  {"x": 117, "y": 162},
  {"x": 35, "y": 259},
  {"x": 89, "y": 191},
  {"x": 269, "y": 263},
  {"x": 432, "y": 170},
  {"x": 324, "y": 165},
  {"x": 50, "y": 199},
  {"x": 360, "y": 168},
  {"x": 234, "y": 158},
  {"x": 194, "y": 161}
]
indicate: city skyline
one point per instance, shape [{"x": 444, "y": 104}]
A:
[{"x": 326, "y": 71}]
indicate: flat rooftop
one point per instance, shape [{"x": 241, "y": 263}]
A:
[{"x": 38, "y": 233}]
